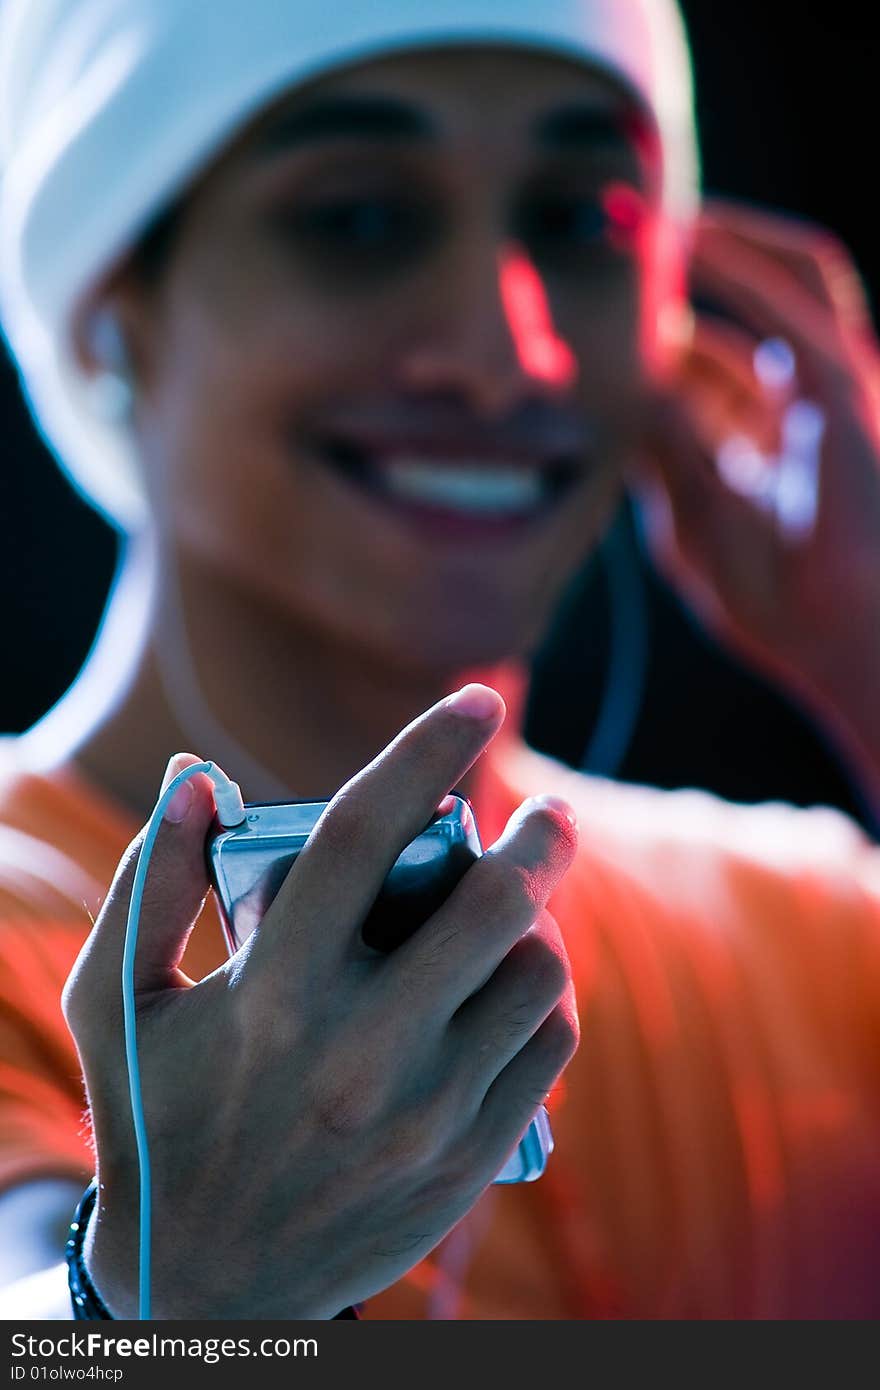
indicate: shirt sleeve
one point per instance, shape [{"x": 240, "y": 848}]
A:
[{"x": 43, "y": 1124}]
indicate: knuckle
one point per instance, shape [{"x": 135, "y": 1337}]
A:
[
  {"x": 534, "y": 1096},
  {"x": 433, "y": 953},
  {"x": 550, "y": 1052},
  {"x": 71, "y": 1001},
  {"x": 547, "y": 927},
  {"x": 343, "y": 827},
  {"x": 538, "y": 976},
  {"x": 561, "y": 1036},
  {"x": 503, "y": 888},
  {"x": 515, "y": 1022},
  {"x": 83, "y": 991},
  {"x": 549, "y": 972}
]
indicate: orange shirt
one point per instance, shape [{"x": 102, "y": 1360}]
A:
[{"x": 717, "y": 1133}]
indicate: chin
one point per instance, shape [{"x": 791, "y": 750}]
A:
[{"x": 446, "y": 643}]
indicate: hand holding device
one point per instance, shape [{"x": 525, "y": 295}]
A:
[
  {"x": 249, "y": 862},
  {"x": 372, "y": 1096}
]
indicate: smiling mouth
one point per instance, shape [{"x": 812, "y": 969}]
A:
[{"x": 446, "y": 490}]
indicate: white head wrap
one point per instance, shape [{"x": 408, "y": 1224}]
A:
[{"x": 108, "y": 108}]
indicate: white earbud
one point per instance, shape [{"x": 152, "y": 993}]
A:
[{"x": 111, "y": 390}]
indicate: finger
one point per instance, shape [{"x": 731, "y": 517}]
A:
[
  {"x": 774, "y": 305},
  {"x": 174, "y": 891},
  {"x": 718, "y": 378},
  {"x": 699, "y": 525},
  {"x": 719, "y": 349},
  {"x": 678, "y": 452},
  {"x": 318, "y": 912},
  {"x": 500, "y": 897},
  {"x": 493, "y": 1025},
  {"x": 513, "y": 1099},
  {"x": 813, "y": 255}
]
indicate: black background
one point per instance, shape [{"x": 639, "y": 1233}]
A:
[{"x": 787, "y": 101}]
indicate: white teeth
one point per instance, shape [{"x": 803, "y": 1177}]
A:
[{"x": 472, "y": 488}]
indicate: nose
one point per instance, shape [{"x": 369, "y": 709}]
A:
[{"x": 492, "y": 339}]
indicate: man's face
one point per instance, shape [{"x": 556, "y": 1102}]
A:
[{"x": 393, "y": 369}]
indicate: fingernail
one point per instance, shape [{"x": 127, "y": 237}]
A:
[
  {"x": 178, "y": 807},
  {"x": 475, "y": 702},
  {"x": 775, "y": 364},
  {"x": 555, "y": 803}
]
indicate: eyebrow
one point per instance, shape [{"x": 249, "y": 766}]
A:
[
  {"x": 576, "y": 126},
  {"x": 579, "y": 126},
  {"x": 334, "y": 118}
]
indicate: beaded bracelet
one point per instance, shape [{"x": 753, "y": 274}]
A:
[{"x": 87, "y": 1302}]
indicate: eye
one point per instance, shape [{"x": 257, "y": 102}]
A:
[
  {"x": 364, "y": 226},
  {"x": 592, "y": 224},
  {"x": 365, "y": 221},
  {"x": 562, "y": 217}
]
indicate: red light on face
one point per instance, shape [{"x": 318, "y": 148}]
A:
[
  {"x": 542, "y": 353},
  {"x": 624, "y": 208}
]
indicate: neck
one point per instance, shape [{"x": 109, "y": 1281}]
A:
[{"x": 281, "y": 707}]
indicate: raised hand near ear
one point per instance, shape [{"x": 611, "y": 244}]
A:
[{"x": 762, "y": 481}]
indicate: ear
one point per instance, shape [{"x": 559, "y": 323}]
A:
[
  {"x": 110, "y": 328},
  {"x": 104, "y": 345}
]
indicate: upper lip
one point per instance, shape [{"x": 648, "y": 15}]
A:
[{"x": 529, "y": 441}]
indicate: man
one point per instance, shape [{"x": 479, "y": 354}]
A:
[{"x": 364, "y": 394}]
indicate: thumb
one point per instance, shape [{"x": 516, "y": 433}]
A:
[{"x": 174, "y": 889}]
